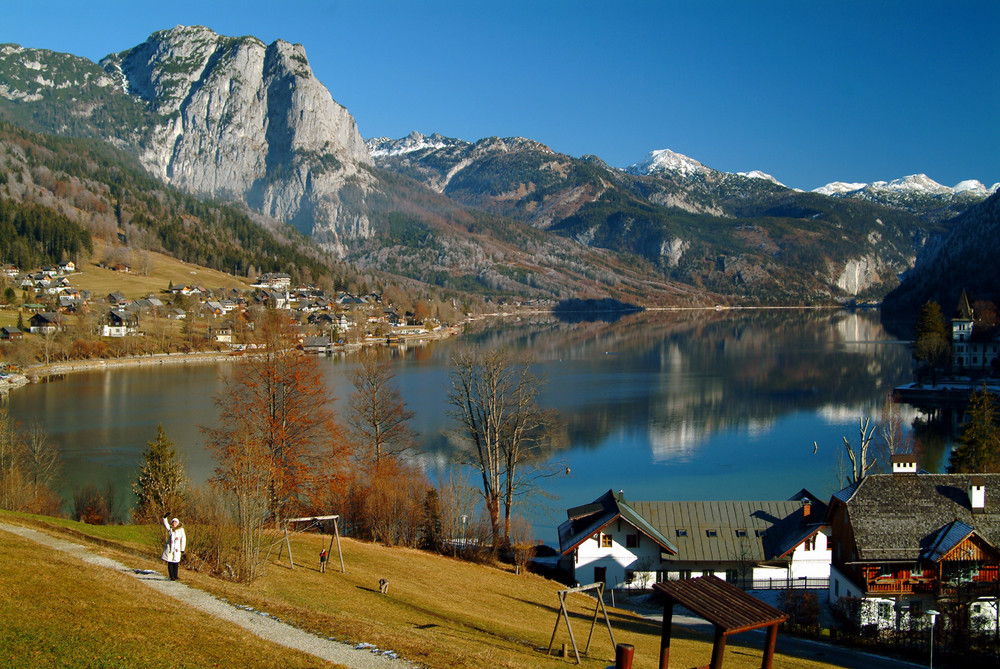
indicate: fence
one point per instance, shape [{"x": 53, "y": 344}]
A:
[{"x": 790, "y": 584}]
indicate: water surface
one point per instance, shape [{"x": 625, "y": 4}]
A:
[{"x": 668, "y": 405}]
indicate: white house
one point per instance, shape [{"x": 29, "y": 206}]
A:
[
  {"x": 119, "y": 323},
  {"x": 972, "y": 348},
  {"x": 752, "y": 544}
]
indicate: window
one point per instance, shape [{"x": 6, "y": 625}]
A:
[
  {"x": 741, "y": 532},
  {"x": 761, "y": 533},
  {"x": 917, "y": 571},
  {"x": 977, "y": 608},
  {"x": 810, "y": 543},
  {"x": 684, "y": 573},
  {"x": 606, "y": 541},
  {"x": 732, "y": 575},
  {"x": 629, "y": 575},
  {"x": 682, "y": 533},
  {"x": 916, "y": 609},
  {"x": 631, "y": 541},
  {"x": 711, "y": 533},
  {"x": 708, "y": 572},
  {"x": 884, "y": 610}
]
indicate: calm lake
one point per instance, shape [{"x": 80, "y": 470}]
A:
[{"x": 665, "y": 405}]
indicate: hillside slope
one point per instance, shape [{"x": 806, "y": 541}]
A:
[{"x": 963, "y": 260}]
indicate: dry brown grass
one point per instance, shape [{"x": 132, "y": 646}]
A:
[
  {"x": 57, "y": 611},
  {"x": 165, "y": 270},
  {"x": 439, "y": 611}
]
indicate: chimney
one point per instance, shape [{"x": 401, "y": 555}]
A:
[
  {"x": 977, "y": 492},
  {"x": 904, "y": 463},
  {"x": 806, "y": 507}
]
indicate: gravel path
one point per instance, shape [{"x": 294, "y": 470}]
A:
[{"x": 256, "y": 622}]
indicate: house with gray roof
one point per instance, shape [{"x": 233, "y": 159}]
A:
[
  {"x": 910, "y": 541},
  {"x": 749, "y": 543}
]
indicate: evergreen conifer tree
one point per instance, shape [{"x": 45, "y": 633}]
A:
[
  {"x": 932, "y": 339},
  {"x": 162, "y": 485},
  {"x": 978, "y": 448}
]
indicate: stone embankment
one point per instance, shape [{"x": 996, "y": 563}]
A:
[
  {"x": 59, "y": 368},
  {"x": 10, "y": 381}
]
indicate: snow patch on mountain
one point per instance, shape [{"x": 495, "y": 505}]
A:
[
  {"x": 384, "y": 146},
  {"x": 915, "y": 184}
]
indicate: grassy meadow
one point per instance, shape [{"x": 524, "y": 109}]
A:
[{"x": 439, "y": 612}]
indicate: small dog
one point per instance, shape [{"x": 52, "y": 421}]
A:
[{"x": 383, "y": 586}]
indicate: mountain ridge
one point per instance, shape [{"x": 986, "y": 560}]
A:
[{"x": 237, "y": 119}]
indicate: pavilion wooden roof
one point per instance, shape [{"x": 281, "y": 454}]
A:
[{"x": 724, "y": 605}]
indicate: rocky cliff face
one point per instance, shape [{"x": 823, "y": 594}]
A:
[{"x": 239, "y": 119}]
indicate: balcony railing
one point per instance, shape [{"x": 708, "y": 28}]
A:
[{"x": 909, "y": 586}]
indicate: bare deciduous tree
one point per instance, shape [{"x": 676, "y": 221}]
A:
[
  {"x": 494, "y": 400},
  {"x": 40, "y": 457},
  {"x": 860, "y": 462},
  {"x": 377, "y": 418}
]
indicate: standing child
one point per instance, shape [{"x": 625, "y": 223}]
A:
[{"x": 322, "y": 560}]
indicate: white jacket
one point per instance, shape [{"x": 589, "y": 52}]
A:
[{"x": 176, "y": 543}]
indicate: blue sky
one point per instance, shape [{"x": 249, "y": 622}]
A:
[{"x": 808, "y": 91}]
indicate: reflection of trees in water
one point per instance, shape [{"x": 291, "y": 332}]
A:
[
  {"x": 932, "y": 437},
  {"x": 685, "y": 375}
]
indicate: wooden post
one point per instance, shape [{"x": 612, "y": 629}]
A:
[
  {"x": 336, "y": 532},
  {"x": 556, "y": 628},
  {"x": 600, "y": 600},
  {"x": 562, "y": 603},
  {"x": 623, "y": 656},
  {"x": 772, "y": 637},
  {"x": 288, "y": 544},
  {"x": 668, "y": 620},
  {"x": 718, "y": 648}
]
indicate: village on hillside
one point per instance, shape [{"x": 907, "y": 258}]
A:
[{"x": 59, "y": 321}]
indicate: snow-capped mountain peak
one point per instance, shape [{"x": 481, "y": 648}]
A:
[
  {"x": 914, "y": 183},
  {"x": 975, "y": 187},
  {"x": 757, "y": 174},
  {"x": 665, "y": 160},
  {"x": 839, "y": 188}
]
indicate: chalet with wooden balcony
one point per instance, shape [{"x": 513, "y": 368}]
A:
[{"x": 907, "y": 542}]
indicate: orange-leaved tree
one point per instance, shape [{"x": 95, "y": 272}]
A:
[{"x": 276, "y": 442}]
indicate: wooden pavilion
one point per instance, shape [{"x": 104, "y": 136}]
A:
[{"x": 726, "y": 607}]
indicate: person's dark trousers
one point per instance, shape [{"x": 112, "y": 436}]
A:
[{"x": 172, "y": 570}]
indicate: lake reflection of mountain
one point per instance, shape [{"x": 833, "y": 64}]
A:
[
  {"x": 668, "y": 405},
  {"x": 682, "y": 376}
]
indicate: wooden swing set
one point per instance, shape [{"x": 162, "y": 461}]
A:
[
  {"x": 313, "y": 521},
  {"x": 598, "y": 606}
]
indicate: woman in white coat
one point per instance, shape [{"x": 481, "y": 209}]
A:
[{"x": 176, "y": 543}]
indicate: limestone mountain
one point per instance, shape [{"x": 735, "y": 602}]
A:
[
  {"x": 235, "y": 119},
  {"x": 742, "y": 234},
  {"x": 218, "y": 116},
  {"x": 238, "y": 118}
]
